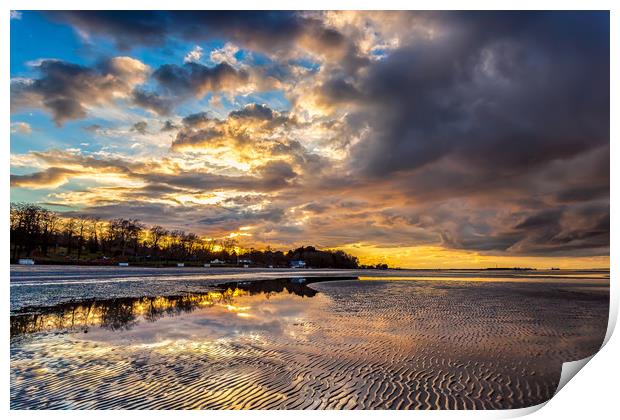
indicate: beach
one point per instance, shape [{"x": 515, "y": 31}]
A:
[{"x": 135, "y": 338}]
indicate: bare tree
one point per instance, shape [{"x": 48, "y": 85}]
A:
[
  {"x": 68, "y": 233},
  {"x": 157, "y": 233},
  {"x": 81, "y": 223},
  {"x": 125, "y": 233}
]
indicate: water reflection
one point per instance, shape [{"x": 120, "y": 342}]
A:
[
  {"x": 124, "y": 313},
  {"x": 352, "y": 344}
]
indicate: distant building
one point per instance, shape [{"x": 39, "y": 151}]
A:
[
  {"x": 26, "y": 261},
  {"x": 298, "y": 264}
]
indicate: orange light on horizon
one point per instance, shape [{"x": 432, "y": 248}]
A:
[{"x": 429, "y": 257}]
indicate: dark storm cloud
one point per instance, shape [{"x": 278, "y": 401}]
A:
[
  {"x": 130, "y": 28},
  {"x": 140, "y": 127},
  {"x": 265, "y": 31},
  {"x": 127, "y": 27},
  {"x": 540, "y": 220},
  {"x": 585, "y": 193},
  {"x": 201, "y": 138},
  {"x": 582, "y": 230},
  {"x": 197, "y": 79},
  {"x": 271, "y": 177},
  {"x": 151, "y": 101},
  {"x": 67, "y": 90},
  {"x": 231, "y": 218},
  {"x": 540, "y": 230},
  {"x": 169, "y": 126},
  {"x": 502, "y": 92},
  {"x": 314, "y": 208},
  {"x": 276, "y": 173},
  {"x": 173, "y": 217},
  {"x": 254, "y": 111},
  {"x": 215, "y": 218},
  {"x": 339, "y": 90},
  {"x": 196, "y": 119}
]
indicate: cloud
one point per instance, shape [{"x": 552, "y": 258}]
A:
[
  {"x": 248, "y": 138},
  {"x": 226, "y": 54},
  {"x": 194, "y": 55},
  {"x": 128, "y": 28},
  {"x": 497, "y": 98},
  {"x": 140, "y": 127},
  {"x": 151, "y": 101},
  {"x": 58, "y": 167},
  {"x": 265, "y": 31},
  {"x": 21, "y": 127},
  {"x": 280, "y": 35},
  {"x": 49, "y": 178},
  {"x": 276, "y": 173},
  {"x": 193, "y": 79},
  {"x": 69, "y": 90},
  {"x": 486, "y": 132},
  {"x": 169, "y": 126},
  {"x": 248, "y": 126},
  {"x": 254, "y": 111},
  {"x": 93, "y": 128},
  {"x": 580, "y": 230}
]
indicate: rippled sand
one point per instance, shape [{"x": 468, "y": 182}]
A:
[{"x": 284, "y": 344}]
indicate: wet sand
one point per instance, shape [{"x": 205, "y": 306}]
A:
[{"x": 397, "y": 344}]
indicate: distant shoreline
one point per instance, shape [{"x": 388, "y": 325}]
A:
[{"x": 195, "y": 264}]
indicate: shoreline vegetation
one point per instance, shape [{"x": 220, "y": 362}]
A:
[{"x": 52, "y": 238}]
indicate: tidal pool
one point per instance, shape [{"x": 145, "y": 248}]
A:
[{"x": 309, "y": 343}]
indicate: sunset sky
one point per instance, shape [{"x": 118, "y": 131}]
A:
[{"x": 422, "y": 139}]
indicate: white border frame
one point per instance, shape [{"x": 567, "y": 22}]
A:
[{"x": 593, "y": 394}]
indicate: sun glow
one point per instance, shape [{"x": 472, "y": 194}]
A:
[{"x": 431, "y": 257}]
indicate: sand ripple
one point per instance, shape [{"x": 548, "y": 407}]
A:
[{"x": 354, "y": 345}]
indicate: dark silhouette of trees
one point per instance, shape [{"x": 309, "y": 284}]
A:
[
  {"x": 124, "y": 234},
  {"x": 48, "y": 236},
  {"x": 27, "y": 227},
  {"x": 323, "y": 258},
  {"x": 157, "y": 233}
]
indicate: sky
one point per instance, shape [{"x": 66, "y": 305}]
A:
[{"x": 418, "y": 139}]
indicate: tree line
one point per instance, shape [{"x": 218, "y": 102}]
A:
[{"x": 48, "y": 236}]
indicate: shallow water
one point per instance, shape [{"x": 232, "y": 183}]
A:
[{"x": 298, "y": 343}]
